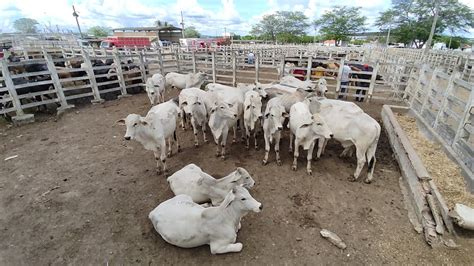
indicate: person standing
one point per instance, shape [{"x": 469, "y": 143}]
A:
[
  {"x": 344, "y": 80},
  {"x": 365, "y": 77},
  {"x": 251, "y": 58}
]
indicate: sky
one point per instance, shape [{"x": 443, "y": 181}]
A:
[{"x": 210, "y": 17}]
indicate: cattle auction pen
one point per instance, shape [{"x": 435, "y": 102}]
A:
[{"x": 73, "y": 191}]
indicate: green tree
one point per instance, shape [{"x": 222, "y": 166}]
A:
[
  {"x": 452, "y": 42},
  {"x": 98, "y": 31},
  {"x": 191, "y": 32},
  {"x": 25, "y": 25},
  {"x": 159, "y": 23},
  {"x": 284, "y": 26},
  {"x": 341, "y": 22},
  {"x": 413, "y": 19}
]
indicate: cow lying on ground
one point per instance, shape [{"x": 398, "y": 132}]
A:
[
  {"x": 153, "y": 130},
  {"x": 202, "y": 187},
  {"x": 186, "y": 224}
]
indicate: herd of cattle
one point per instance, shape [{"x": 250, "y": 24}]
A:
[{"x": 313, "y": 119}]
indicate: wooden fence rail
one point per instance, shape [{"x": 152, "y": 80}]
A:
[{"x": 389, "y": 75}]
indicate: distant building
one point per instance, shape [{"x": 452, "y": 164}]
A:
[
  {"x": 329, "y": 43},
  {"x": 163, "y": 33},
  {"x": 367, "y": 35}
]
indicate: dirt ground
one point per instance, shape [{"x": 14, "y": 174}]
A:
[{"x": 79, "y": 194}]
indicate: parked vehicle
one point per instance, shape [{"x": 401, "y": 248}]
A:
[{"x": 120, "y": 42}]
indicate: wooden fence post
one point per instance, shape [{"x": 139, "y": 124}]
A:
[
  {"x": 282, "y": 71},
  {"x": 257, "y": 68},
  {"x": 373, "y": 80},
  {"x": 119, "y": 72},
  {"x": 142, "y": 66},
  {"x": 234, "y": 70},
  {"x": 177, "y": 60},
  {"x": 56, "y": 83},
  {"x": 193, "y": 58},
  {"x": 91, "y": 75},
  {"x": 308, "y": 67},
  {"x": 444, "y": 101},
  {"x": 20, "y": 115},
  {"x": 465, "y": 117},
  {"x": 338, "y": 79},
  {"x": 214, "y": 78},
  {"x": 160, "y": 59}
]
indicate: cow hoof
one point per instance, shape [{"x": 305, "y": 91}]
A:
[
  {"x": 256, "y": 148},
  {"x": 351, "y": 179},
  {"x": 264, "y": 162},
  {"x": 247, "y": 147},
  {"x": 196, "y": 145},
  {"x": 293, "y": 168},
  {"x": 279, "y": 163},
  {"x": 223, "y": 157},
  {"x": 158, "y": 171},
  {"x": 309, "y": 172},
  {"x": 290, "y": 151},
  {"x": 367, "y": 181},
  {"x": 168, "y": 155},
  {"x": 206, "y": 141},
  {"x": 217, "y": 154},
  {"x": 234, "y": 141}
]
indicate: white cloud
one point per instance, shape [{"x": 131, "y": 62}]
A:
[{"x": 208, "y": 17}]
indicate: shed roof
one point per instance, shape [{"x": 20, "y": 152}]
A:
[{"x": 163, "y": 28}]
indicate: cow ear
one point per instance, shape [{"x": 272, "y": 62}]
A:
[
  {"x": 120, "y": 122},
  {"x": 305, "y": 125},
  {"x": 184, "y": 103},
  {"x": 143, "y": 122},
  {"x": 267, "y": 115},
  {"x": 230, "y": 105},
  {"x": 285, "y": 114}
]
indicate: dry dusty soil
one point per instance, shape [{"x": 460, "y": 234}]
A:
[{"x": 79, "y": 194}]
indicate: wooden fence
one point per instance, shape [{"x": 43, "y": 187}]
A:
[
  {"x": 389, "y": 75},
  {"x": 445, "y": 104}
]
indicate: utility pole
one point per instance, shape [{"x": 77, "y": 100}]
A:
[
  {"x": 433, "y": 27},
  {"x": 225, "y": 32},
  {"x": 388, "y": 35},
  {"x": 182, "y": 24},
  {"x": 74, "y": 14}
]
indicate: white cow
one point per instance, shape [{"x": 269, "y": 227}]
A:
[
  {"x": 222, "y": 117},
  {"x": 183, "y": 81},
  {"x": 192, "y": 102},
  {"x": 186, "y": 224},
  {"x": 153, "y": 130},
  {"x": 274, "y": 117},
  {"x": 306, "y": 128},
  {"x": 353, "y": 129},
  {"x": 252, "y": 115},
  {"x": 201, "y": 187},
  {"x": 155, "y": 88},
  {"x": 291, "y": 81},
  {"x": 321, "y": 87},
  {"x": 234, "y": 98}
]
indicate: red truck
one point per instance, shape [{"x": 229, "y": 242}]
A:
[{"x": 120, "y": 42}]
